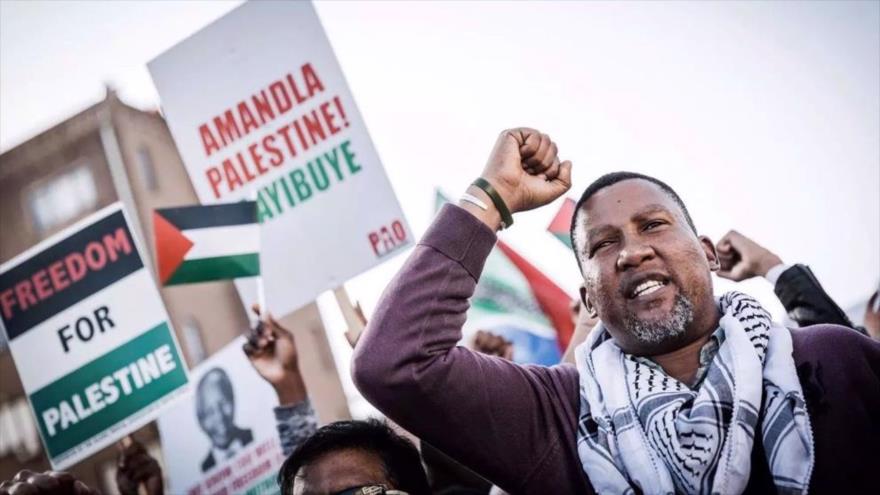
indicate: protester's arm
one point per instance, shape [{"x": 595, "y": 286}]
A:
[
  {"x": 272, "y": 352},
  {"x": 295, "y": 424},
  {"x": 490, "y": 414},
  {"x": 803, "y": 297},
  {"x": 497, "y": 418},
  {"x": 136, "y": 468}
]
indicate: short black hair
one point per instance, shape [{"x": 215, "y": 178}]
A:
[
  {"x": 400, "y": 458},
  {"x": 611, "y": 179}
]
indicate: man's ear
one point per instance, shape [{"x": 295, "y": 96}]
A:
[
  {"x": 711, "y": 254},
  {"x": 587, "y": 304}
]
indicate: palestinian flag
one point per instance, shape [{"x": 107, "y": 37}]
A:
[
  {"x": 560, "y": 227},
  {"x": 205, "y": 243},
  {"x": 516, "y": 300}
]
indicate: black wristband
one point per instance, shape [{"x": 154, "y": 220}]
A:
[{"x": 506, "y": 217}]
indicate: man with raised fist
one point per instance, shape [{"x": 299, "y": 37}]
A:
[{"x": 674, "y": 390}]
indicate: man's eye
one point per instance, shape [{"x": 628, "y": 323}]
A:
[
  {"x": 600, "y": 245},
  {"x": 653, "y": 224}
]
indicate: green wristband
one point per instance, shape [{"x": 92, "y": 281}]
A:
[{"x": 506, "y": 217}]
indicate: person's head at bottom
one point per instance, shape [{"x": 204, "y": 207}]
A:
[{"x": 354, "y": 458}]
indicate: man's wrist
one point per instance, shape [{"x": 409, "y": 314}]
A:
[
  {"x": 766, "y": 263},
  {"x": 490, "y": 216},
  {"x": 291, "y": 389},
  {"x": 772, "y": 275}
]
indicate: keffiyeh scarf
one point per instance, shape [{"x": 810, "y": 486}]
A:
[{"x": 642, "y": 431}]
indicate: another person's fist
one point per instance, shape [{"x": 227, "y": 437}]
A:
[
  {"x": 49, "y": 483},
  {"x": 135, "y": 467},
  {"x": 525, "y": 169},
  {"x": 272, "y": 352},
  {"x": 493, "y": 345},
  {"x": 742, "y": 258}
]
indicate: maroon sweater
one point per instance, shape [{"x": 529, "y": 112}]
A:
[{"x": 517, "y": 425}]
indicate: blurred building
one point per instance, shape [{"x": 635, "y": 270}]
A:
[{"x": 106, "y": 153}]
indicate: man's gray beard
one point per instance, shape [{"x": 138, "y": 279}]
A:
[{"x": 657, "y": 331}]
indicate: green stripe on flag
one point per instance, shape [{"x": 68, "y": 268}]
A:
[
  {"x": 219, "y": 268},
  {"x": 564, "y": 238}
]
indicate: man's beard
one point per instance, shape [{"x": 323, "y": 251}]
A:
[{"x": 669, "y": 327}]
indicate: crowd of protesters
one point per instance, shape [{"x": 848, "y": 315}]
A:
[{"x": 665, "y": 388}]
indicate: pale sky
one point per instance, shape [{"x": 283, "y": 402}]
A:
[{"x": 764, "y": 116}]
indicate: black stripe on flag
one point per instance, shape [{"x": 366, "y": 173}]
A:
[{"x": 204, "y": 216}]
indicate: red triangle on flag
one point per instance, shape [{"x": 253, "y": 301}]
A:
[
  {"x": 561, "y": 223},
  {"x": 171, "y": 246}
]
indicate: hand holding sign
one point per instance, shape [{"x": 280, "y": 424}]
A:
[
  {"x": 525, "y": 170},
  {"x": 272, "y": 352},
  {"x": 137, "y": 473}
]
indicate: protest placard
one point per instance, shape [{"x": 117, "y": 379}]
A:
[
  {"x": 258, "y": 105},
  {"x": 89, "y": 336},
  {"x": 222, "y": 438}
]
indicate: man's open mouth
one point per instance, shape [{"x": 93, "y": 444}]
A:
[
  {"x": 646, "y": 285},
  {"x": 646, "y": 288}
]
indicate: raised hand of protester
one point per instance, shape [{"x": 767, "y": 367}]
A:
[
  {"x": 742, "y": 258},
  {"x": 49, "y": 483},
  {"x": 493, "y": 345},
  {"x": 135, "y": 467},
  {"x": 525, "y": 170},
  {"x": 272, "y": 352}
]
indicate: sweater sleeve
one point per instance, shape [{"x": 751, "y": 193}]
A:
[
  {"x": 806, "y": 301},
  {"x": 295, "y": 424},
  {"x": 505, "y": 421}
]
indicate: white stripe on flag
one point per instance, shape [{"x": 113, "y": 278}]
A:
[{"x": 223, "y": 241}]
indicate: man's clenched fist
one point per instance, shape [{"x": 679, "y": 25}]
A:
[{"x": 525, "y": 170}]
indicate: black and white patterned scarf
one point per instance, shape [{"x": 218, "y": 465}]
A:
[{"x": 641, "y": 430}]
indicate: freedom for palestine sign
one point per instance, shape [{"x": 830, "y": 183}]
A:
[
  {"x": 89, "y": 335},
  {"x": 259, "y": 109}
]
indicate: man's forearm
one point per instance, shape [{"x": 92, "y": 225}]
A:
[
  {"x": 291, "y": 390},
  {"x": 421, "y": 313}
]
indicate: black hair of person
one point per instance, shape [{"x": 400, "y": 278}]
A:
[{"x": 400, "y": 458}]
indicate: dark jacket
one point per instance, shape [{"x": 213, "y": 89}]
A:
[
  {"x": 806, "y": 302},
  {"x": 517, "y": 425}
]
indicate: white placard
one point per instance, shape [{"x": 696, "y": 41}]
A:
[
  {"x": 233, "y": 446},
  {"x": 258, "y": 105}
]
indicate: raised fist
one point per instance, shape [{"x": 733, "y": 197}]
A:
[
  {"x": 525, "y": 170},
  {"x": 742, "y": 258}
]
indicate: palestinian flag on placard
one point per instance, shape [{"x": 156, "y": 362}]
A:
[
  {"x": 204, "y": 243},
  {"x": 560, "y": 227},
  {"x": 516, "y": 300}
]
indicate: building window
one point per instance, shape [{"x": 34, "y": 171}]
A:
[
  {"x": 147, "y": 170},
  {"x": 192, "y": 335},
  {"x": 63, "y": 198}
]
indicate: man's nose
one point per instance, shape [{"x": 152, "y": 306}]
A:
[{"x": 633, "y": 254}]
